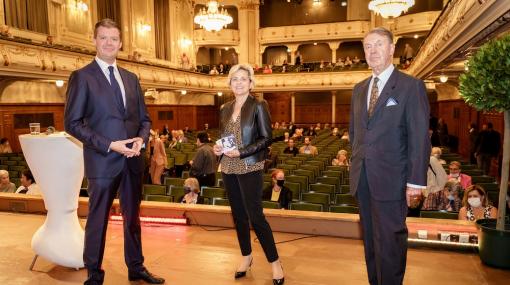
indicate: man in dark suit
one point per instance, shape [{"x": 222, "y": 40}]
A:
[
  {"x": 390, "y": 153},
  {"x": 105, "y": 110}
]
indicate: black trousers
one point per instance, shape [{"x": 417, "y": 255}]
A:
[
  {"x": 384, "y": 235},
  {"x": 484, "y": 161},
  {"x": 102, "y": 191},
  {"x": 245, "y": 196}
]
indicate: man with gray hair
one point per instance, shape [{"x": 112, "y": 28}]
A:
[{"x": 390, "y": 155}]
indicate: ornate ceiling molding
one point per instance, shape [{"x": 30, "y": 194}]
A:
[{"x": 459, "y": 23}]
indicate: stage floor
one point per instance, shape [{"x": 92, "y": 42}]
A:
[{"x": 191, "y": 255}]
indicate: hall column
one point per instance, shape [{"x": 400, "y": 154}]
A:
[
  {"x": 293, "y": 108},
  {"x": 333, "y": 107},
  {"x": 292, "y": 48},
  {"x": 334, "y": 46},
  {"x": 249, "y": 31}
]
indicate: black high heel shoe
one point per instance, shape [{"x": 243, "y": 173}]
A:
[
  {"x": 240, "y": 274},
  {"x": 279, "y": 281}
]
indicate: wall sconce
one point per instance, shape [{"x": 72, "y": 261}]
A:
[
  {"x": 59, "y": 83},
  {"x": 144, "y": 27},
  {"x": 317, "y": 2},
  {"x": 183, "y": 92},
  {"x": 220, "y": 93},
  {"x": 79, "y": 6},
  {"x": 185, "y": 43},
  {"x": 289, "y": 50},
  {"x": 416, "y": 36},
  {"x": 443, "y": 78}
]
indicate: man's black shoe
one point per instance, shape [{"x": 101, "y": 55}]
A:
[{"x": 146, "y": 276}]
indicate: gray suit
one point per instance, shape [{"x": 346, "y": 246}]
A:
[{"x": 389, "y": 150}]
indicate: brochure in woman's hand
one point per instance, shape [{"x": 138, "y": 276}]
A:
[{"x": 228, "y": 143}]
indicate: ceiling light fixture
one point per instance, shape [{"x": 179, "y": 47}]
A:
[
  {"x": 443, "y": 78},
  {"x": 390, "y": 8},
  {"x": 213, "y": 19}
]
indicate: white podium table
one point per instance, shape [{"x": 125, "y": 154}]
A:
[{"x": 56, "y": 162}]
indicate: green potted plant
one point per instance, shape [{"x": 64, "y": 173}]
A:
[{"x": 486, "y": 87}]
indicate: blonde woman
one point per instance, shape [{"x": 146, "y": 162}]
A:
[
  {"x": 192, "y": 190},
  {"x": 341, "y": 158},
  {"x": 246, "y": 122}
]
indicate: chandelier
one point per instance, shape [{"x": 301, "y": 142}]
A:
[
  {"x": 213, "y": 19},
  {"x": 390, "y": 8}
]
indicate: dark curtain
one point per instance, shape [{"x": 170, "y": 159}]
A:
[
  {"x": 27, "y": 15},
  {"x": 109, "y": 9},
  {"x": 162, "y": 28}
]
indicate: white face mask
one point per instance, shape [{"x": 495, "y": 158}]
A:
[
  {"x": 456, "y": 175},
  {"x": 474, "y": 202},
  {"x": 437, "y": 155}
]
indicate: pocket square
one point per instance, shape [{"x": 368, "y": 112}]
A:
[{"x": 391, "y": 102}]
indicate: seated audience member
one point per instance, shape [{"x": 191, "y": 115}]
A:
[
  {"x": 278, "y": 192},
  {"x": 214, "y": 71},
  {"x": 436, "y": 151},
  {"x": 446, "y": 200},
  {"x": 286, "y": 137},
  {"x": 6, "y": 186},
  {"x": 5, "y": 147},
  {"x": 283, "y": 126},
  {"x": 463, "y": 179},
  {"x": 206, "y": 126},
  {"x": 335, "y": 132},
  {"x": 290, "y": 148},
  {"x": 28, "y": 185},
  {"x": 341, "y": 158},
  {"x": 311, "y": 132},
  {"x": 271, "y": 159},
  {"x": 345, "y": 135},
  {"x": 318, "y": 127},
  {"x": 356, "y": 60},
  {"x": 322, "y": 65},
  {"x": 340, "y": 62},
  {"x": 475, "y": 205},
  {"x": 180, "y": 137},
  {"x": 348, "y": 61},
  {"x": 276, "y": 126},
  {"x": 308, "y": 148},
  {"x": 221, "y": 69},
  {"x": 436, "y": 175},
  {"x": 267, "y": 69},
  {"x": 298, "y": 135},
  {"x": 192, "y": 192}
]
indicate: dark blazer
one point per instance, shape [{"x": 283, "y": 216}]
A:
[
  {"x": 284, "y": 199},
  {"x": 393, "y": 143},
  {"x": 93, "y": 116},
  {"x": 256, "y": 129}
]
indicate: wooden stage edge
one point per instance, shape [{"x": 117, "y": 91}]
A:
[{"x": 289, "y": 221}]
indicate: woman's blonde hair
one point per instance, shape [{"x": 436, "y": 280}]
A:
[
  {"x": 193, "y": 184},
  {"x": 480, "y": 190},
  {"x": 245, "y": 67}
]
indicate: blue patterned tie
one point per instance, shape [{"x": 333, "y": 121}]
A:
[{"x": 116, "y": 89}]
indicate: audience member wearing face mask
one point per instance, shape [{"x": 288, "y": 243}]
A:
[
  {"x": 455, "y": 173},
  {"x": 192, "y": 192},
  {"x": 446, "y": 200},
  {"x": 277, "y": 192},
  {"x": 476, "y": 205}
]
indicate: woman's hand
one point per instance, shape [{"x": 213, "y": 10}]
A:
[
  {"x": 218, "y": 149},
  {"x": 233, "y": 153}
]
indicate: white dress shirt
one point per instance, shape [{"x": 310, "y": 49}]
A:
[
  {"x": 383, "y": 78},
  {"x": 104, "y": 67}
]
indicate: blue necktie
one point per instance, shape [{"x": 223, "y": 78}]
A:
[{"x": 116, "y": 89}]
